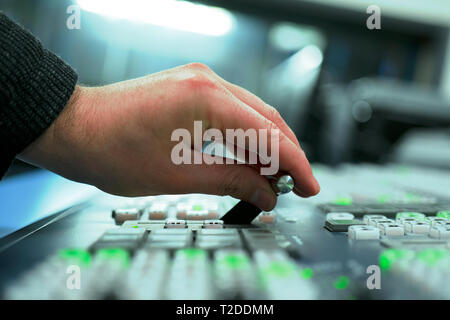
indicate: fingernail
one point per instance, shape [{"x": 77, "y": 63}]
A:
[{"x": 263, "y": 199}]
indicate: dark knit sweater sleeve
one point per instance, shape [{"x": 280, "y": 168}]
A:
[{"x": 35, "y": 85}]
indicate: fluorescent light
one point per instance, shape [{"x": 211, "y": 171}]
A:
[
  {"x": 180, "y": 15},
  {"x": 309, "y": 58},
  {"x": 287, "y": 36}
]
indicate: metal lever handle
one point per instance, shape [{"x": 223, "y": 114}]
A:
[{"x": 244, "y": 212}]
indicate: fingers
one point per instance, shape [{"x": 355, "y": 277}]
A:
[
  {"x": 234, "y": 114},
  {"x": 256, "y": 103},
  {"x": 236, "y": 180},
  {"x": 263, "y": 108}
]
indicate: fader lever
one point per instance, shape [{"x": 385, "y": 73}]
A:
[{"x": 244, "y": 212}]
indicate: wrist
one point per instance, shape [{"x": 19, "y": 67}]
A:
[{"x": 59, "y": 140}]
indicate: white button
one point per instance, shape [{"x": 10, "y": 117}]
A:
[
  {"x": 417, "y": 227},
  {"x": 370, "y": 219},
  {"x": 392, "y": 230},
  {"x": 401, "y": 216},
  {"x": 174, "y": 223},
  {"x": 363, "y": 232},
  {"x": 440, "y": 232},
  {"x": 196, "y": 215},
  {"x": 197, "y": 210},
  {"x": 213, "y": 210},
  {"x": 157, "y": 215},
  {"x": 340, "y": 216},
  {"x": 122, "y": 215},
  {"x": 158, "y": 211},
  {"x": 213, "y": 224},
  {"x": 379, "y": 223},
  {"x": 434, "y": 221},
  {"x": 405, "y": 220}
]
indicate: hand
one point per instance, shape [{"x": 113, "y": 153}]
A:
[{"x": 118, "y": 138}]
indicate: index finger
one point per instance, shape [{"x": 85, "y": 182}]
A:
[
  {"x": 259, "y": 105},
  {"x": 235, "y": 114}
]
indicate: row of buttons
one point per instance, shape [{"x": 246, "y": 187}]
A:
[
  {"x": 160, "y": 211},
  {"x": 404, "y": 223},
  {"x": 153, "y": 274},
  {"x": 132, "y": 236},
  {"x": 385, "y": 209},
  {"x": 427, "y": 268},
  {"x": 373, "y": 226}
]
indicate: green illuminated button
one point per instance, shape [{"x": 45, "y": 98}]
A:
[
  {"x": 113, "y": 254},
  {"x": 307, "y": 273},
  {"x": 390, "y": 256},
  {"x": 414, "y": 215},
  {"x": 432, "y": 256},
  {"x": 443, "y": 214},
  {"x": 279, "y": 269},
  {"x": 197, "y": 207},
  {"x": 192, "y": 253},
  {"x": 343, "y": 201},
  {"x": 341, "y": 282},
  {"x": 77, "y": 256},
  {"x": 234, "y": 261}
]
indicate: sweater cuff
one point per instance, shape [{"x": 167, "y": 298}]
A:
[{"x": 39, "y": 94}]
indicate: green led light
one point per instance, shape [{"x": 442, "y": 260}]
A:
[
  {"x": 234, "y": 261},
  {"x": 76, "y": 256},
  {"x": 343, "y": 201},
  {"x": 390, "y": 256},
  {"x": 197, "y": 207},
  {"x": 341, "y": 282},
  {"x": 443, "y": 214},
  {"x": 307, "y": 273},
  {"x": 114, "y": 254},
  {"x": 135, "y": 226},
  {"x": 192, "y": 253},
  {"x": 431, "y": 256},
  {"x": 279, "y": 269},
  {"x": 415, "y": 215}
]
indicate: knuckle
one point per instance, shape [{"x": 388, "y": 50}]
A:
[
  {"x": 198, "y": 66},
  {"x": 200, "y": 81}
]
